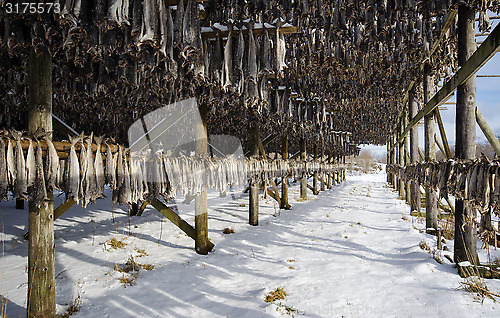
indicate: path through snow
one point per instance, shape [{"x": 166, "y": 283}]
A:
[{"x": 346, "y": 252}]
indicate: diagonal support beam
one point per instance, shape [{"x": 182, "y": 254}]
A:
[
  {"x": 178, "y": 221},
  {"x": 480, "y": 57},
  {"x": 488, "y": 132}
]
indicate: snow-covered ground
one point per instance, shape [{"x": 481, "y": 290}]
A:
[{"x": 351, "y": 251}]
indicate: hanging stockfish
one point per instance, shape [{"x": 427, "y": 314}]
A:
[
  {"x": 120, "y": 175},
  {"x": 11, "y": 163},
  {"x": 4, "y": 181},
  {"x": 227, "y": 72},
  {"x": 265, "y": 52},
  {"x": 216, "y": 61},
  {"x": 239, "y": 53},
  {"x": 72, "y": 172},
  {"x": 149, "y": 22},
  {"x": 52, "y": 166},
  {"x": 20, "y": 184},
  {"x": 191, "y": 35},
  {"x": 110, "y": 173},
  {"x": 60, "y": 174},
  {"x": 251, "y": 91},
  {"x": 99, "y": 168},
  {"x": 125, "y": 194},
  {"x": 38, "y": 191},
  {"x": 83, "y": 168},
  {"x": 90, "y": 191},
  {"x": 178, "y": 23},
  {"x": 280, "y": 48},
  {"x": 30, "y": 165}
]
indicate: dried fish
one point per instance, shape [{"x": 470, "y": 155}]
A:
[
  {"x": 20, "y": 184},
  {"x": 30, "y": 165},
  {"x": 11, "y": 163},
  {"x": 39, "y": 192},
  {"x": 99, "y": 168},
  {"x": 110, "y": 173},
  {"x": 72, "y": 172},
  {"x": 52, "y": 165},
  {"x": 4, "y": 181},
  {"x": 227, "y": 73}
]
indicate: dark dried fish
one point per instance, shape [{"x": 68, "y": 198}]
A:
[
  {"x": 4, "y": 181},
  {"x": 38, "y": 191}
]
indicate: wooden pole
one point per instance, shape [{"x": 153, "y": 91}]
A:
[
  {"x": 389, "y": 146},
  {"x": 431, "y": 218},
  {"x": 303, "y": 180},
  {"x": 201, "y": 206},
  {"x": 406, "y": 158},
  {"x": 315, "y": 174},
  {"x": 442, "y": 132},
  {"x": 41, "y": 258},
  {"x": 284, "y": 180},
  {"x": 465, "y": 241},
  {"x": 253, "y": 216},
  {"x": 401, "y": 161},
  {"x": 323, "y": 176},
  {"x": 485, "y": 128},
  {"x": 414, "y": 186}
]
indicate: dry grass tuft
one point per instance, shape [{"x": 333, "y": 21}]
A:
[
  {"x": 227, "y": 231},
  {"x": 141, "y": 252},
  {"x": 73, "y": 308},
  {"x": 147, "y": 267},
  {"x": 116, "y": 244},
  {"x": 424, "y": 246},
  {"x": 277, "y": 294}
]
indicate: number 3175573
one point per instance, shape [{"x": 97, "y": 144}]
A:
[{"x": 31, "y": 7}]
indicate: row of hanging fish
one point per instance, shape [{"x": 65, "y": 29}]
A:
[
  {"x": 31, "y": 171},
  {"x": 477, "y": 182},
  {"x": 263, "y": 170}
]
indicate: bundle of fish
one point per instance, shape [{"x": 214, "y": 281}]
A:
[
  {"x": 477, "y": 182},
  {"x": 264, "y": 170}
]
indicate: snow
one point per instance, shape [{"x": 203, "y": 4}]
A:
[{"x": 351, "y": 251}]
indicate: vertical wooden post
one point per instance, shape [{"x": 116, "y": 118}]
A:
[
  {"x": 389, "y": 146},
  {"x": 201, "y": 206},
  {"x": 406, "y": 157},
  {"x": 284, "y": 180},
  {"x": 414, "y": 186},
  {"x": 465, "y": 241},
  {"x": 303, "y": 180},
  {"x": 323, "y": 175},
  {"x": 431, "y": 217},
  {"x": 315, "y": 175},
  {"x": 401, "y": 161},
  {"x": 253, "y": 214},
  {"x": 41, "y": 259}
]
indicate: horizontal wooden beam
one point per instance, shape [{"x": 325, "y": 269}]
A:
[{"x": 482, "y": 55}]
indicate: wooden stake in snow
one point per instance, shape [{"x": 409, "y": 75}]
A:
[
  {"x": 284, "y": 180},
  {"x": 430, "y": 151},
  {"x": 414, "y": 186},
  {"x": 253, "y": 215},
  {"x": 201, "y": 218},
  {"x": 465, "y": 240},
  {"x": 41, "y": 280}
]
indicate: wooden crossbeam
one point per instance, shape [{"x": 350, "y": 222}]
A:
[
  {"x": 482, "y": 55},
  {"x": 65, "y": 206},
  {"x": 177, "y": 220}
]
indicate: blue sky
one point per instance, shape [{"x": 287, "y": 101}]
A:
[{"x": 487, "y": 99}]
